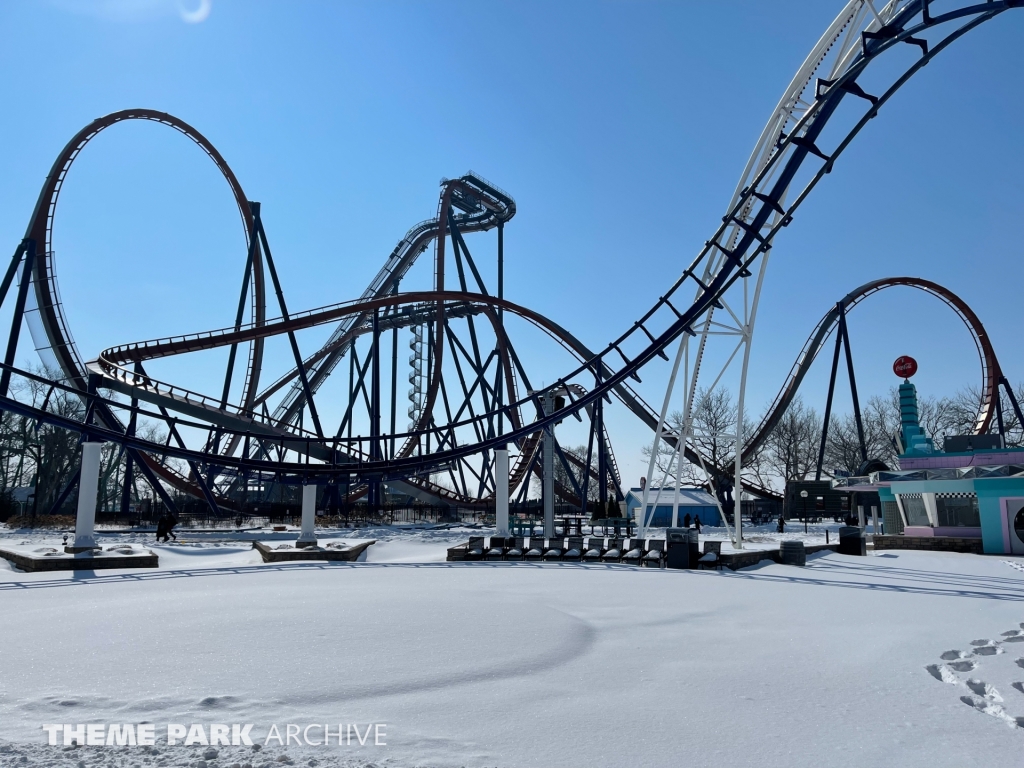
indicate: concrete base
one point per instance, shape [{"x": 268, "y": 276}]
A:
[
  {"x": 932, "y": 543},
  {"x": 731, "y": 560},
  {"x": 305, "y": 544},
  {"x": 343, "y": 554},
  {"x": 91, "y": 560},
  {"x": 76, "y": 550},
  {"x": 748, "y": 557}
]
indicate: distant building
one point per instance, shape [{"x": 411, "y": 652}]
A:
[
  {"x": 660, "y": 503},
  {"x": 22, "y": 494}
]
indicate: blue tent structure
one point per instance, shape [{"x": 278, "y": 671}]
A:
[{"x": 692, "y": 501}]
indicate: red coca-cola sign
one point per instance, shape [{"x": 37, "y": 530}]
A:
[{"x": 905, "y": 366}]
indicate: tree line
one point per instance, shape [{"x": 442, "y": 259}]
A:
[
  {"x": 38, "y": 460},
  {"x": 791, "y": 450}
]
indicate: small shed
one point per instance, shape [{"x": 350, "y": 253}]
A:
[{"x": 660, "y": 502}]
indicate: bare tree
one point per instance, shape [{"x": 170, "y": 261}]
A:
[
  {"x": 791, "y": 451},
  {"x": 881, "y": 418},
  {"x": 52, "y": 451},
  {"x": 576, "y": 458},
  {"x": 842, "y": 446},
  {"x": 964, "y": 407},
  {"x": 713, "y": 435}
]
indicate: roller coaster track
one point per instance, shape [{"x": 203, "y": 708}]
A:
[
  {"x": 762, "y": 206},
  {"x": 484, "y": 207},
  {"x": 990, "y": 370},
  {"x": 112, "y": 363},
  {"x": 40, "y": 229}
]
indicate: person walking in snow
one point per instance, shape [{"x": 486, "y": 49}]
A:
[
  {"x": 686, "y": 520},
  {"x": 782, "y": 523},
  {"x": 171, "y": 522},
  {"x": 696, "y": 523},
  {"x": 165, "y": 527}
]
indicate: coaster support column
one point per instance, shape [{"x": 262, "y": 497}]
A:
[
  {"x": 88, "y": 485},
  {"x": 307, "y": 537},
  {"x": 548, "y": 485},
  {"x": 501, "y": 491}
]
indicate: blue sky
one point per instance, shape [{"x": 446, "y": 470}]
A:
[{"x": 620, "y": 128}]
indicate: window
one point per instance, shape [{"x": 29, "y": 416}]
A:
[
  {"x": 913, "y": 507},
  {"x": 958, "y": 511},
  {"x": 891, "y": 519}
]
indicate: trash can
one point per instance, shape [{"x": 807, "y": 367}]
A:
[
  {"x": 852, "y": 541},
  {"x": 792, "y": 553},
  {"x": 677, "y": 541},
  {"x": 693, "y": 545}
]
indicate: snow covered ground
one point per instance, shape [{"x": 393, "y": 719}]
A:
[{"x": 899, "y": 658}]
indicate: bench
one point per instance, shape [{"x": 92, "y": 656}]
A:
[
  {"x": 712, "y": 557},
  {"x": 535, "y": 549},
  {"x": 573, "y": 548},
  {"x": 614, "y": 552},
  {"x": 594, "y": 550},
  {"x": 634, "y": 554},
  {"x": 497, "y": 549},
  {"x": 656, "y": 555},
  {"x": 554, "y": 549}
]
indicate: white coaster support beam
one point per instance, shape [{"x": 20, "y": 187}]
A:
[
  {"x": 501, "y": 491},
  {"x": 307, "y": 537},
  {"x": 88, "y": 484}
]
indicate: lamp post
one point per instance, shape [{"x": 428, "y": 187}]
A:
[{"x": 803, "y": 495}]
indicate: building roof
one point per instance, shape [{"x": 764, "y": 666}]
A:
[{"x": 688, "y": 497}]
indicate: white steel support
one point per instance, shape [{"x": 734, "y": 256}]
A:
[
  {"x": 737, "y": 488},
  {"x": 761, "y": 185},
  {"x": 656, "y": 445},
  {"x": 548, "y": 491},
  {"x": 88, "y": 483},
  {"x": 842, "y": 39},
  {"x": 307, "y": 537},
  {"x": 748, "y": 338},
  {"x": 874, "y": 520},
  {"x": 501, "y": 491},
  {"x": 675, "y": 496}
]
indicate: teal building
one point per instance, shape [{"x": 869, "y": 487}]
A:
[{"x": 974, "y": 489}]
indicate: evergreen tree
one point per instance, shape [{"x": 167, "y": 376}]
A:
[{"x": 613, "y": 508}]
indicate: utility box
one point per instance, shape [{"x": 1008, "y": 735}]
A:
[
  {"x": 677, "y": 542},
  {"x": 693, "y": 545},
  {"x": 971, "y": 443},
  {"x": 852, "y": 541}
]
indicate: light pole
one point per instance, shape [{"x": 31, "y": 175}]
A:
[{"x": 803, "y": 495}]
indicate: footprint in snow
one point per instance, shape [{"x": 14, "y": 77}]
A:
[
  {"x": 971, "y": 701},
  {"x": 988, "y": 707},
  {"x": 981, "y": 688},
  {"x": 984, "y": 697},
  {"x": 942, "y": 673},
  {"x": 988, "y": 650}
]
